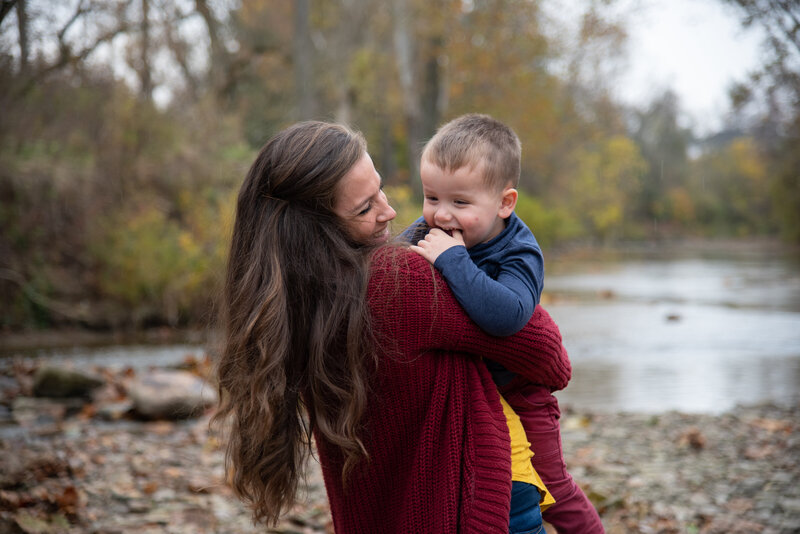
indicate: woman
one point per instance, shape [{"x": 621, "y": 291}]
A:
[{"x": 328, "y": 333}]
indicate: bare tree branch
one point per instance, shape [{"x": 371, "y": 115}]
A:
[
  {"x": 219, "y": 57},
  {"x": 179, "y": 51},
  {"x": 5, "y": 8},
  {"x": 780, "y": 18},
  {"x": 70, "y": 312},
  {"x": 67, "y": 57},
  {"x": 80, "y": 10}
]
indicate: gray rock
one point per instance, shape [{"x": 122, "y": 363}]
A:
[
  {"x": 30, "y": 411},
  {"x": 9, "y": 388},
  {"x": 170, "y": 395},
  {"x": 5, "y": 418},
  {"x": 51, "y": 381}
]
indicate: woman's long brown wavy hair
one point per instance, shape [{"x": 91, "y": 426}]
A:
[{"x": 296, "y": 345}]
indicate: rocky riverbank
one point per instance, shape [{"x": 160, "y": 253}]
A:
[{"x": 77, "y": 466}]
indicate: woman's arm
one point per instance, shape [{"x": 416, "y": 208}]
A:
[{"x": 415, "y": 310}]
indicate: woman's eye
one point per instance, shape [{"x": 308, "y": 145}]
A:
[{"x": 365, "y": 210}]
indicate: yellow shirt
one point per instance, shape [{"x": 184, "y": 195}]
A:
[{"x": 521, "y": 468}]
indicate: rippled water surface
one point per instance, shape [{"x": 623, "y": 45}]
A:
[{"x": 697, "y": 329}]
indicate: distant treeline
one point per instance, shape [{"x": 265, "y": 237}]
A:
[{"x": 127, "y": 125}]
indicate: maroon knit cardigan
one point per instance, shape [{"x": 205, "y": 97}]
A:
[{"x": 438, "y": 443}]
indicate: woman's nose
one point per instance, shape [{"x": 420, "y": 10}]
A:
[{"x": 386, "y": 213}]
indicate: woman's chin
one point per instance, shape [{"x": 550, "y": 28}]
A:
[{"x": 381, "y": 237}]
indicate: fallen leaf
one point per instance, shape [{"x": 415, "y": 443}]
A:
[
  {"x": 160, "y": 428},
  {"x": 693, "y": 438},
  {"x": 739, "y": 505},
  {"x": 87, "y": 412},
  {"x": 575, "y": 422},
  {"x": 69, "y": 500},
  {"x": 9, "y": 500},
  {"x": 173, "y": 472},
  {"x": 772, "y": 425},
  {"x": 756, "y": 452}
]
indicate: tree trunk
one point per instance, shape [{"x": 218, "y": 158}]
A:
[
  {"x": 179, "y": 49},
  {"x": 404, "y": 55},
  {"x": 303, "y": 62},
  {"x": 346, "y": 39},
  {"x": 219, "y": 57},
  {"x": 5, "y": 9},
  {"x": 24, "y": 37},
  {"x": 145, "y": 74},
  {"x": 432, "y": 98}
]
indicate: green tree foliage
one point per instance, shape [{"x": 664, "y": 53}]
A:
[
  {"x": 732, "y": 193},
  {"x": 113, "y": 212},
  {"x": 786, "y": 182},
  {"x": 664, "y": 144},
  {"x": 175, "y": 279},
  {"x": 607, "y": 180},
  {"x": 551, "y": 224}
]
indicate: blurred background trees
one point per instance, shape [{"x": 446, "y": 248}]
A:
[{"x": 127, "y": 125}]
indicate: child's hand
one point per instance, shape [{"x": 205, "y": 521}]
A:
[{"x": 436, "y": 242}]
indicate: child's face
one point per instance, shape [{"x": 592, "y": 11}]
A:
[{"x": 461, "y": 200}]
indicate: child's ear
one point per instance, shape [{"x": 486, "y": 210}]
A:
[{"x": 508, "y": 202}]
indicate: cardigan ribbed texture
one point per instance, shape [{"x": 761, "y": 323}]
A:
[{"x": 434, "y": 429}]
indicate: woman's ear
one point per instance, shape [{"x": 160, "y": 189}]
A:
[{"x": 508, "y": 202}]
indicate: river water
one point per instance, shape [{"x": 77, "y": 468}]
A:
[{"x": 695, "y": 327}]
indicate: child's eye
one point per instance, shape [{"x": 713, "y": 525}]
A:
[
  {"x": 462, "y": 202},
  {"x": 431, "y": 199}
]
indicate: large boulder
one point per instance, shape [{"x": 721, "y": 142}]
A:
[
  {"x": 55, "y": 381},
  {"x": 162, "y": 394}
]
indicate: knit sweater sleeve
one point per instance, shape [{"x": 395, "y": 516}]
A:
[{"x": 415, "y": 308}]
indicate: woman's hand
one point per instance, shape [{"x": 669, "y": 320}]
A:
[{"x": 436, "y": 242}]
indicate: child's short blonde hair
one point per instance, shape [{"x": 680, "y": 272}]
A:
[{"x": 471, "y": 139}]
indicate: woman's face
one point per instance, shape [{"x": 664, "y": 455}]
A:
[{"x": 362, "y": 205}]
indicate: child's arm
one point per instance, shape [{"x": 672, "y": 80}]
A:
[
  {"x": 500, "y": 306},
  {"x": 416, "y": 312}
]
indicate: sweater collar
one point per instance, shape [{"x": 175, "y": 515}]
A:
[{"x": 510, "y": 229}]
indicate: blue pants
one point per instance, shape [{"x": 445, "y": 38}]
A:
[{"x": 526, "y": 515}]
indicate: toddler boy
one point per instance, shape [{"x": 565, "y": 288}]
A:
[{"x": 493, "y": 265}]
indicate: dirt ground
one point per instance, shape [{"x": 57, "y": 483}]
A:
[{"x": 73, "y": 467}]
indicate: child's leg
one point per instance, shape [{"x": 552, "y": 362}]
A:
[{"x": 572, "y": 513}]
